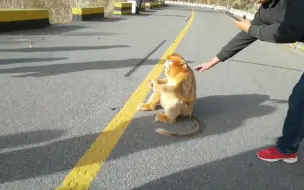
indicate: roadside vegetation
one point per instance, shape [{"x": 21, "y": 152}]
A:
[
  {"x": 245, "y": 5},
  {"x": 60, "y": 10}
]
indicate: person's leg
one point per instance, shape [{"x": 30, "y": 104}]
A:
[
  {"x": 138, "y": 4},
  {"x": 293, "y": 129}
]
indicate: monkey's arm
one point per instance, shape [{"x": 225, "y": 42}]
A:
[
  {"x": 183, "y": 98},
  {"x": 170, "y": 87},
  {"x": 162, "y": 81}
]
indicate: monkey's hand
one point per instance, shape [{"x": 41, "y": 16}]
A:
[
  {"x": 156, "y": 86},
  {"x": 153, "y": 82}
]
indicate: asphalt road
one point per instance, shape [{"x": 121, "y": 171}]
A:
[{"x": 55, "y": 104}]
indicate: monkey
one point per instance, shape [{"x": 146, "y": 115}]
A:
[{"x": 176, "y": 93}]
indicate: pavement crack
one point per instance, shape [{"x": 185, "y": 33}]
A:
[
  {"x": 144, "y": 59},
  {"x": 187, "y": 19}
]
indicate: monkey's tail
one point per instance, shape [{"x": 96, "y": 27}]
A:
[{"x": 198, "y": 129}]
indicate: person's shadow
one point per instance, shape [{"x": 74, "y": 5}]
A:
[
  {"x": 241, "y": 171},
  {"x": 224, "y": 113}
]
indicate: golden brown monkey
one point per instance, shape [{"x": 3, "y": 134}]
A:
[{"x": 176, "y": 93}]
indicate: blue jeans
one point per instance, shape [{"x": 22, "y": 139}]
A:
[{"x": 293, "y": 128}]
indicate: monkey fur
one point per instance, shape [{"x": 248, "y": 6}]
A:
[{"x": 176, "y": 93}]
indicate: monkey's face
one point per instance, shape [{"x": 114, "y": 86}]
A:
[
  {"x": 168, "y": 64},
  {"x": 174, "y": 65}
]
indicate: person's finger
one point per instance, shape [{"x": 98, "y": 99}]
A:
[
  {"x": 198, "y": 68},
  {"x": 202, "y": 69},
  {"x": 236, "y": 22}
]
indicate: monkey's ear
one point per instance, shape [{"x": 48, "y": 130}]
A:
[
  {"x": 182, "y": 62},
  {"x": 184, "y": 65},
  {"x": 170, "y": 56}
]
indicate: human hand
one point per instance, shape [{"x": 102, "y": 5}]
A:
[
  {"x": 244, "y": 24},
  {"x": 203, "y": 67}
]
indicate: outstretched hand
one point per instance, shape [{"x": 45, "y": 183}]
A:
[
  {"x": 244, "y": 25},
  {"x": 203, "y": 67}
]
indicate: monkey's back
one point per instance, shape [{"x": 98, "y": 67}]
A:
[{"x": 188, "y": 86}]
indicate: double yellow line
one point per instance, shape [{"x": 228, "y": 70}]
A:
[{"x": 86, "y": 169}]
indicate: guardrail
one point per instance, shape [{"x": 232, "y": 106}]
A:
[
  {"x": 215, "y": 7},
  {"x": 237, "y": 12}
]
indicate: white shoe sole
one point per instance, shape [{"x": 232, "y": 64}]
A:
[{"x": 286, "y": 160}]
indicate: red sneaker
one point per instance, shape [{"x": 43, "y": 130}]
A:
[{"x": 272, "y": 155}]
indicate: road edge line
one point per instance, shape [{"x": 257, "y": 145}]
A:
[{"x": 86, "y": 169}]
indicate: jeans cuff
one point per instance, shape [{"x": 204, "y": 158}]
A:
[{"x": 285, "y": 151}]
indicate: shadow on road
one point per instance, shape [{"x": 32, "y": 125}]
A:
[
  {"x": 28, "y": 60},
  {"x": 105, "y": 19},
  {"x": 27, "y": 138},
  {"x": 42, "y": 160},
  {"x": 64, "y": 48},
  {"x": 62, "y": 155},
  {"x": 242, "y": 171},
  {"x": 54, "y": 30},
  {"x": 273, "y": 66},
  {"x": 142, "y": 14},
  {"x": 163, "y": 15},
  {"x": 65, "y": 68},
  {"x": 51, "y": 30},
  {"x": 85, "y": 34}
]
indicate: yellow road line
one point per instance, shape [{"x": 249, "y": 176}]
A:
[{"x": 85, "y": 171}]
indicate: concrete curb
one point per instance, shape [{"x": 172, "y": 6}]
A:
[
  {"x": 21, "y": 19},
  {"x": 123, "y": 8},
  {"x": 26, "y": 19},
  {"x": 87, "y": 13}
]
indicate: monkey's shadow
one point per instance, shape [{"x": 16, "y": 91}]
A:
[{"x": 220, "y": 114}]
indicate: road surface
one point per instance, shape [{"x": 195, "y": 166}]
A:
[{"x": 62, "y": 86}]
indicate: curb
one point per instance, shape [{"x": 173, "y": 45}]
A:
[
  {"x": 22, "y": 19},
  {"x": 26, "y": 19},
  {"x": 87, "y": 13},
  {"x": 123, "y": 8}
]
